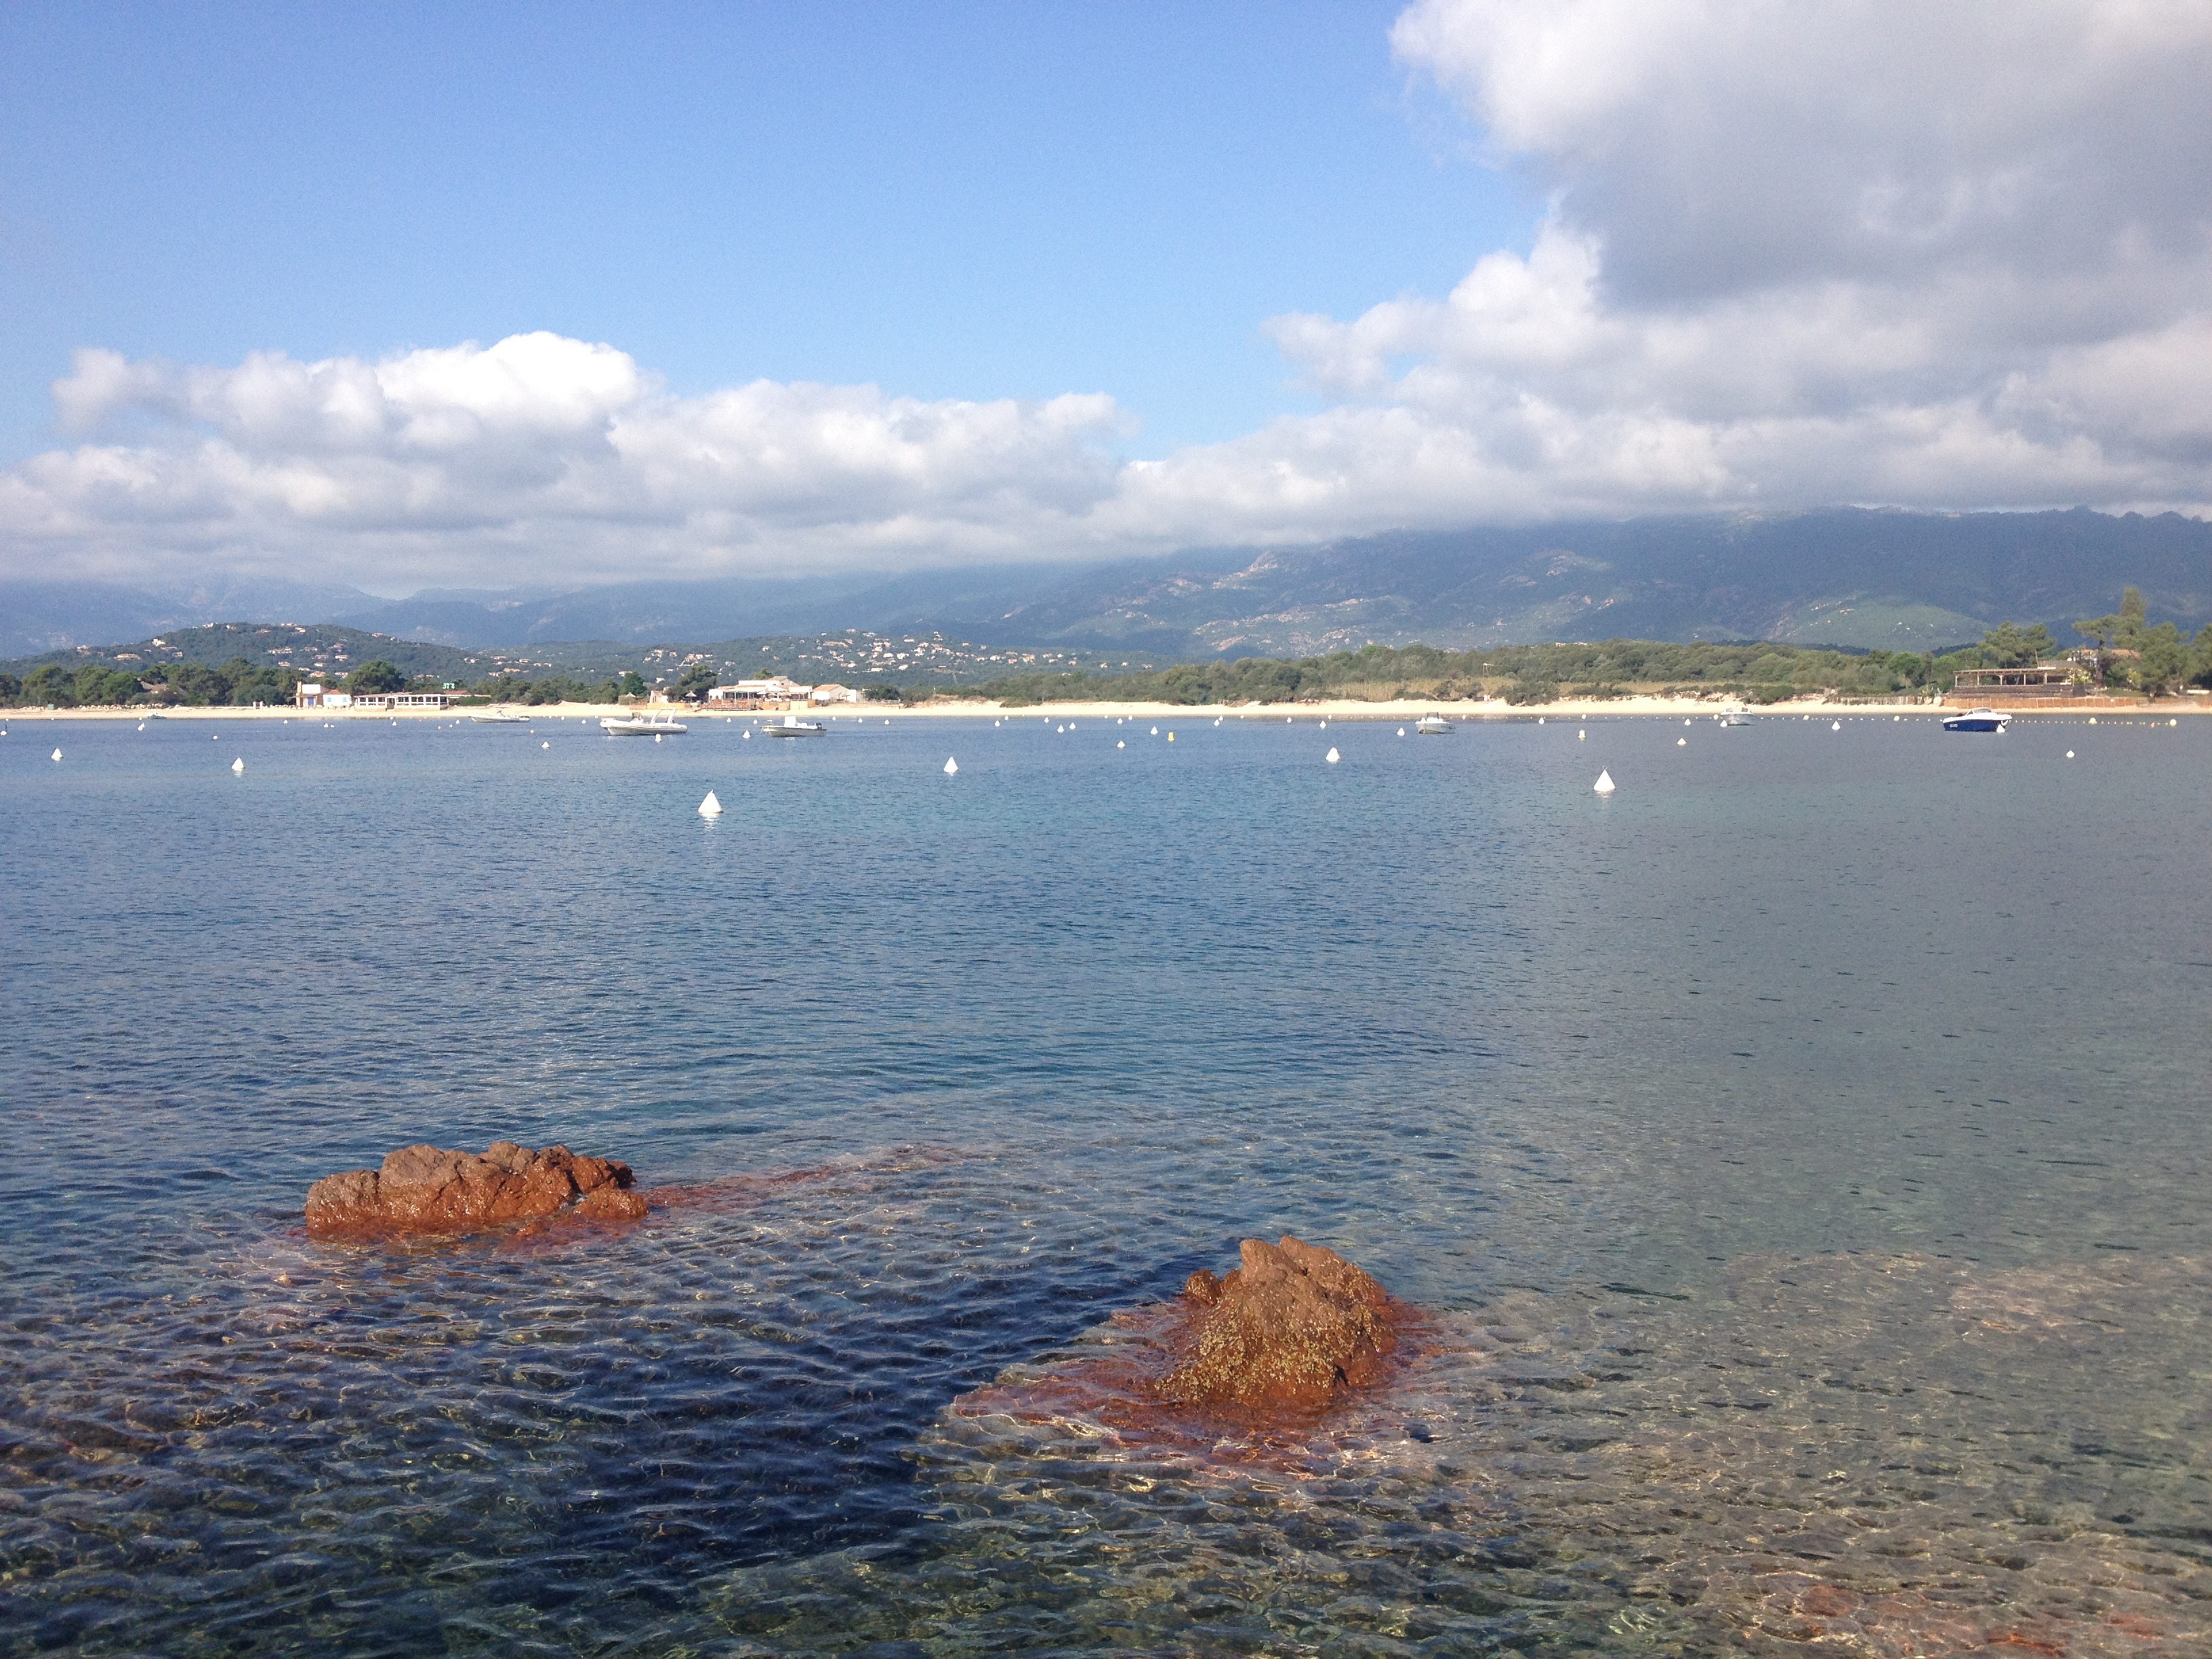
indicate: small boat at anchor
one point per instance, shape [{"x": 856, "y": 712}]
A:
[
  {"x": 1978, "y": 720},
  {"x": 636, "y": 726},
  {"x": 1432, "y": 726},
  {"x": 500, "y": 717},
  {"x": 794, "y": 726},
  {"x": 1736, "y": 717}
]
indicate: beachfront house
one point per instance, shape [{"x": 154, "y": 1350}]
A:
[
  {"x": 311, "y": 694},
  {"x": 755, "y": 694},
  {"x": 2044, "y": 680},
  {"x": 402, "y": 700},
  {"x": 828, "y": 693}
]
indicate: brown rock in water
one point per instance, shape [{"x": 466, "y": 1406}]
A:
[
  {"x": 1294, "y": 1326},
  {"x": 433, "y": 1189}
]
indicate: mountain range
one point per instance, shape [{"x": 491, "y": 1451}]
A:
[{"x": 1870, "y": 578}]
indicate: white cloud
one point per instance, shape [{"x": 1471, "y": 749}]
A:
[
  {"x": 1942, "y": 256},
  {"x": 541, "y": 457},
  {"x": 1933, "y": 256}
]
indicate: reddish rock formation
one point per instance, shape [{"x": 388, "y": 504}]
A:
[
  {"x": 431, "y": 1189},
  {"x": 1292, "y": 1327}
]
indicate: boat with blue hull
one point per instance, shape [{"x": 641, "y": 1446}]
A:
[{"x": 1976, "y": 720}]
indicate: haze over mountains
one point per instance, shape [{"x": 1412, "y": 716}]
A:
[{"x": 1852, "y": 577}]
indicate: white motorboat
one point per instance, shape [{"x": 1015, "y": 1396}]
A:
[
  {"x": 636, "y": 726},
  {"x": 1736, "y": 717},
  {"x": 499, "y": 717},
  {"x": 794, "y": 726},
  {"x": 1978, "y": 720},
  {"x": 1432, "y": 726}
]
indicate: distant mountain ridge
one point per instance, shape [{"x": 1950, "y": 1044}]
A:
[
  {"x": 1864, "y": 577},
  {"x": 1876, "y": 580}
]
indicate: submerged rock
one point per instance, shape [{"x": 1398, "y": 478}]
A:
[
  {"x": 1292, "y": 1325},
  {"x": 434, "y": 1189}
]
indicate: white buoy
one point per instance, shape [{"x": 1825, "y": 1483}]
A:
[
  {"x": 2093, "y": 719},
  {"x": 58, "y": 754},
  {"x": 238, "y": 765},
  {"x": 1324, "y": 727},
  {"x": 141, "y": 726},
  {"x": 1604, "y": 784},
  {"x": 747, "y": 734},
  {"x": 1401, "y": 730},
  {"x": 710, "y": 807},
  {"x": 2070, "y": 754},
  {"x": 544, "y": 745},
  {"x": 952, "y": 767},
  {"x": 656, "y": 737},
  {"x": 1334, "y": 757},
  {"x": 1582, "y": 737},
  {"x": 1835, "y": 725},
  {"x": 1121, "y": 745},
  {"x": 1681, "y": 743},
  {"x": 1540, "y": 720},
  {"x": 1156, "y": 730},
  {"x": 1686, "y": 722}
]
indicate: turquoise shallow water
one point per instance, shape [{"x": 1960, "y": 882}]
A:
[{"x": 1802, "y": 1154}]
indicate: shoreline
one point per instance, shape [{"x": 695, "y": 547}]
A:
[{"x": 1344, "y": 710}]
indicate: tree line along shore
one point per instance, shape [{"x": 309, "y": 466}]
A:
[{"x": 2120, "y": 655}]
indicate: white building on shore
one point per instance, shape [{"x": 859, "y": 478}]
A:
[
  {"x": 774, "y": 688},
  {"x": 312, "y": 695}
]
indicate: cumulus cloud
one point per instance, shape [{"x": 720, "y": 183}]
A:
[
  {"x": 1875, "y": 251},
  {"x": 1938, "y": 256},
  {"x": 542, "y": 456}
]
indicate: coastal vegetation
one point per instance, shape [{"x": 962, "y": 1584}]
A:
[
  {"x": 329, "y": 655},
  {"x": 2122, "y": 653},
  {"x": 2128, "y": 656}
]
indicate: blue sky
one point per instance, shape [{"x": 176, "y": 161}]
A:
[
  {"x": 482, "y": 296},
  {"x": 949, "y": 200}
]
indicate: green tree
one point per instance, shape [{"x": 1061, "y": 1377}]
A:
[
  {"x": 633, "y": 684},
  {"x": 376, "y": 676},
  {"x": 94, "y": 686},
  {"x": 2099, "y": 632},
  {"x": 2165, "y": 658},
  {"x": 2008, "y": 646},
  {"x": 2128, "y": 635},
  {"x": 693, "y": 684}
]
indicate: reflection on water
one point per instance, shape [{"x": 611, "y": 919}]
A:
[{"x": 1807, "y": 1199}]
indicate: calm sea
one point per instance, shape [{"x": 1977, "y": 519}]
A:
[{"x": 1803, "y": 1153}]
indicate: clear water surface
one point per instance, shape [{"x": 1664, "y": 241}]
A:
[{"x": 1802, "y": 1154}]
